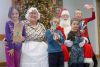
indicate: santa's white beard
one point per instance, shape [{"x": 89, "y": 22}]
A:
[{"x": 66, "y": 25}]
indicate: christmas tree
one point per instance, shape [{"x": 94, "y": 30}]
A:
[{"x": 46, "y": 7}]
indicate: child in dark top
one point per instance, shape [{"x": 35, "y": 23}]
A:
[{"x": 75, "y": 42}]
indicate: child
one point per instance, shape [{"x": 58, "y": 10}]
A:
[
  {"x": 55, "y": 39},
  {"x": 14, "y": 35},
  {"x": 76, "y": 43},
  {"x": 84, "y": 29},
  {"x": 64, "y": 47}
]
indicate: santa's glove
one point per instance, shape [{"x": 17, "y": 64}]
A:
[
  {"x": 81, "y": 44},
  {"x": 86, "y": 39},
  {"x": 68, "y": 43}
]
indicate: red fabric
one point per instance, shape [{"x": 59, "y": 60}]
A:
[
  {"x": 88, "y": 51},
  {"x": 64, "y": 48},
  {"x": 62, "y": 30},
  {"x": 59, "y": 14},
  {"x": 87, "y": 20},
  {"x": 66, "y": 53}
]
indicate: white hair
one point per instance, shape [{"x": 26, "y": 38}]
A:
[
  {"x": 30, "y": 10},
  {"x": 65, "y": 23}
]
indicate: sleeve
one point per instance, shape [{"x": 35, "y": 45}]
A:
[
  {"x": 62, "y": 31},
  {"x": 61, "y": 38},
  {"x": 24, "y": 31},
  {"x": 8, "y": 36},
  {"x": 71, "y": 36},
  {"x": 48, "y": 36},
  {"x": 86, "y": 20}
]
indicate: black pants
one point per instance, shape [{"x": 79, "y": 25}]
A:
[
  {"x": 86, "y": 64},
  {"x": 77, "y": 65},
  {"x": 56, "y": 59},
  {"x": 95, "y": 61}
]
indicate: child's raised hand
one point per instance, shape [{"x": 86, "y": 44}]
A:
[{"x": 88, "y": 6}]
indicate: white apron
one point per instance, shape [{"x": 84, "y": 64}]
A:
[{"x": 34, "y": 54}]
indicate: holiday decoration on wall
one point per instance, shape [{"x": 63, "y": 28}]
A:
[{"x": 47, "y": 8}]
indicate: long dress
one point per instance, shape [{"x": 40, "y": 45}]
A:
[{"x": 34, "y": 49}]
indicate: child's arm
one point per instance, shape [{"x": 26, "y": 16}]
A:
[
  {"x": 49, "y": 36},
  {"x": 8, "y": 36},
  {"x": 61, "y": 37},
  {"x": 69, "y": 41},
  {"x": 92, "y": 16}
]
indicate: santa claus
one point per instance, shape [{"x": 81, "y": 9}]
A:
[{"x": 65, "y": 21}]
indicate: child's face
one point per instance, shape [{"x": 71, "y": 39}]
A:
[
  {"x": 15, "y": 15},
  {"x": 78, "y": 14},
  {"x": 54, "y": 23},
  {"x": 75, "y": 25}
]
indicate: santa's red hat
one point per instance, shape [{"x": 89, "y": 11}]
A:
[{"x": 62, "y": 12}]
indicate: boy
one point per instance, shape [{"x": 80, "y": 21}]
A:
[{"x": 55, "y": 39}]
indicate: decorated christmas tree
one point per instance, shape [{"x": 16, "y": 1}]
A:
[{"x": 47, "y": 8}]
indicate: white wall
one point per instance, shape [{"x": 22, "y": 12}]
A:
[
  {"x": 72, "y": 5},
  {"x": 4, "y": 7}
]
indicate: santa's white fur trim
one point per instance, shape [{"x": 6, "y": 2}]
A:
[
  {"x": 86, "y": 39},
  {"x": 88, "y": 60},
  {"x": 65, "y": 64}
]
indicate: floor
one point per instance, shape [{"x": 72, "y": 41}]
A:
[{"x": 90, "y": 65}]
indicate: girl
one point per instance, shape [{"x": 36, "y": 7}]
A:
[{"x": 15, "y": 33}]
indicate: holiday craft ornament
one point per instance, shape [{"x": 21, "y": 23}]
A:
[{"x": 17, "y": 35}]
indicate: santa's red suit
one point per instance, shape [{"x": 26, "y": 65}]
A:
[
  {"x": 88, "y": 53},
  {"x": 64, "y": 48}
]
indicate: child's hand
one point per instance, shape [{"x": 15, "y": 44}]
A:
[
  {"x": 56, "y": 36},
  {"x": 83, "y": 31},
  {"x": 81, "y": 44},
  {"x": 89, "y": 6},
  {"x": 11, "y": 52}
]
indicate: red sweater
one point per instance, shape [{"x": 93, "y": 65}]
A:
[{"x": 87, "y": 20}]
